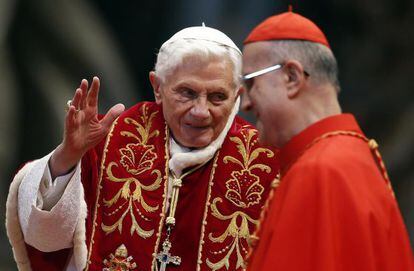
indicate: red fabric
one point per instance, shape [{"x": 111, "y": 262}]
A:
[
  {"x": 332, "y": 210},
  {"x": 50, "y": 261},
  {"x": 236, "y": 183},
  {"x": 195, "y": 221},
  {"x": 142, "y": 152},
  {"x": 194, "y": 194},
  {"x": 287, "y": 26}
]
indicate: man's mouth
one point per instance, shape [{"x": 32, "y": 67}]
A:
[{"x": 198, "y": 127}]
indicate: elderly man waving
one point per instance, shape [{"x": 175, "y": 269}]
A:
[{"x": 173, "y": 184}]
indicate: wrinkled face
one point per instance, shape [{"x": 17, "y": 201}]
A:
[
  {"x": 197, "y": 99},
  {"x": 266, "y": 97}
]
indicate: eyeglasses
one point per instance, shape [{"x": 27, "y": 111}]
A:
[{"x": 248, "y": 78}]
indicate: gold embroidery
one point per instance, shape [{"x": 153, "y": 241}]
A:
[
  {"x": 206, "y": 208},
  {"x": 98, "y": 191},
  {"x": 136, "y": 158},
  {"x": 163, "y": 211},
  {"x": 237, "y": 232},
  {"x": 120, "y": 262},
  {"x": 243, "y": 190}
]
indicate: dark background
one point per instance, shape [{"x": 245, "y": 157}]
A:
[{"x": 47, "y": 47}]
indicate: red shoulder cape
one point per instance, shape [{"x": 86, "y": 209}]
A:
[{"x": 124, "y": 179}]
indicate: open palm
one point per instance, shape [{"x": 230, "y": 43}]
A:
[{"x": 83, "y": 128}]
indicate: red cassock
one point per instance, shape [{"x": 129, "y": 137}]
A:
[
  {"x": 333, "y": 209},
  {"x": 125, "y": 180}
]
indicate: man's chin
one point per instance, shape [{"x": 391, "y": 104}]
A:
[
  {"x": 199, "y": 138},
  {"x": 196, "y": 142}
]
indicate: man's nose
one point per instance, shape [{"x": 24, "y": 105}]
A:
[
  {"x": 200, "y": 108},
  {"x": 246, "y": 103}
]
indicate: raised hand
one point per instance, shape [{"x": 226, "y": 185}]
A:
[{"x": 83, "y": 129}]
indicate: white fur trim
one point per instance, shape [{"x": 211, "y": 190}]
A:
[
  {"x": 39, "y": 225},
  {"x": 28, "y": 192},
  {"x": 13, "y": 228},
  {"x": 80, "y": 250}
]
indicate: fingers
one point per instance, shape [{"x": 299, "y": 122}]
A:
[
  {"x": 70, "y": 117},
  {"x": 112, "y": 114},
  {"x": 84, "y": 90},
  {"x": 76, "y": 100},
  {"x": 83, "y": 98},
  {"x": 79, "y": 98},
  {"x": 92, "y": 97}
]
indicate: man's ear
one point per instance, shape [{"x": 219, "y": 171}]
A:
[
  {"x": 156, "y": 84},
  {"x": 295, "y": 77}
]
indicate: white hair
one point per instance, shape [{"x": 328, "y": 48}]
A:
[{"x": 172, "y": 54}]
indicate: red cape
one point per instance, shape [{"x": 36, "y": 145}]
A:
[
  {"x": 124, "y": 179},
  {"x": 333, "y": 209}
]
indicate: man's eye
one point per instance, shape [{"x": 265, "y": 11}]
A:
[
  {"x": 188, "y": 93},
  {"x": 217, "y": 97}
]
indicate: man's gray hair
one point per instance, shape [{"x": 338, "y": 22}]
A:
[
  {"x": 317, "y": 59},
  {"x": 172, "y": 54}
]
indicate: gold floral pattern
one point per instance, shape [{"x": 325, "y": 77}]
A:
[
  {"x": 137, "y": 159},
  {"x": 146, "y": 159},
  {"x": 243, "y": 190},
  {"x": 235, "y": 231}
]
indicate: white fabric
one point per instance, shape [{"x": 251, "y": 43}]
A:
[
  {"x": 39, "y": 226},
  {"x": 72, "y": 265},
  {"x": 26, "y": 222},
  {"x": 14, "y": 232},
  {"x": 203, "y": 33},
  {"x": 51, "y": 191}
]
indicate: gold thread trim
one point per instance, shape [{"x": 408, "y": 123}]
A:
[
  {"x": 207, "y": 205},
  {"x": 373, "y": 146},
  {"x": 161, "y": 224},
  {"x": 244, "y": 189},
  {"x": 98, "y": 192},
  {"x": 253, "y": 239}
]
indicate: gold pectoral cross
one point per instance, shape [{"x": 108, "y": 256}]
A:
[{"x": 164, "y": 257}]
